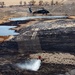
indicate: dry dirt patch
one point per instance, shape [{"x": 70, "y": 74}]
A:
[
  {"x": 58, "y": 58},
  {"x": 5, "y": 38}
]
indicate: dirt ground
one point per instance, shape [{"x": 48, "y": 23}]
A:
[
  {"x": 58, "y": 58},
  {"x": 5, "y": 38},
  {"x": 53, "y": 63},
  {"x": 10, "y": 12}
]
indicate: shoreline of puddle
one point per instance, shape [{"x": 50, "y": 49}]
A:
[{"x": 7, "y": 33}]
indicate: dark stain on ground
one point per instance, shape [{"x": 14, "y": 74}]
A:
[
  {"x": 15, "y": 23},
  {"x": 61, "y": 40},
  {"x": 54, "y": 40},
  {"x": 46, "y": 69}
]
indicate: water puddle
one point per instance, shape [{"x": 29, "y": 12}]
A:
[
  {"x": 37, "y": 17},
  {"x": 6, "y": 31}
]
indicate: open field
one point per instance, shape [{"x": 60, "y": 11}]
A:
[
  {"x": 53, "y": 40},
  {"x": 8, "y": 12}
]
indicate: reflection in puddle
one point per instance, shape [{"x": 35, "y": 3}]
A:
[{"x": 6, "y": 31}]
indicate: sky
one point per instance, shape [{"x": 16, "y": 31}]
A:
[{"x": 16, "y": 2}]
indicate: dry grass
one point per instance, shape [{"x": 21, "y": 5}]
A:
[
  {"x": 5, "y": 38},
  {"x": 71, "y": 17},
  {"x": 6, "y": 13},
  {"x": 58, "y": 58}
]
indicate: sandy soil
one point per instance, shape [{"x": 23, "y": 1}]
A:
[
  {"x": 6, "y": 13},
  {"x": 71, "y": 17},
  {"x": 5, "y": 38}
]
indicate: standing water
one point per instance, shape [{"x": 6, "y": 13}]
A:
[{"x": 6, "y": 31}]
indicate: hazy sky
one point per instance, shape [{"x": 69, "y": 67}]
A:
[{"x": 11, "y": 2}]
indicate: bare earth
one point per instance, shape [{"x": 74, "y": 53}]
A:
[
  {"x": 5, "y": 38},
  {"x": 57, "y": 58}
]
